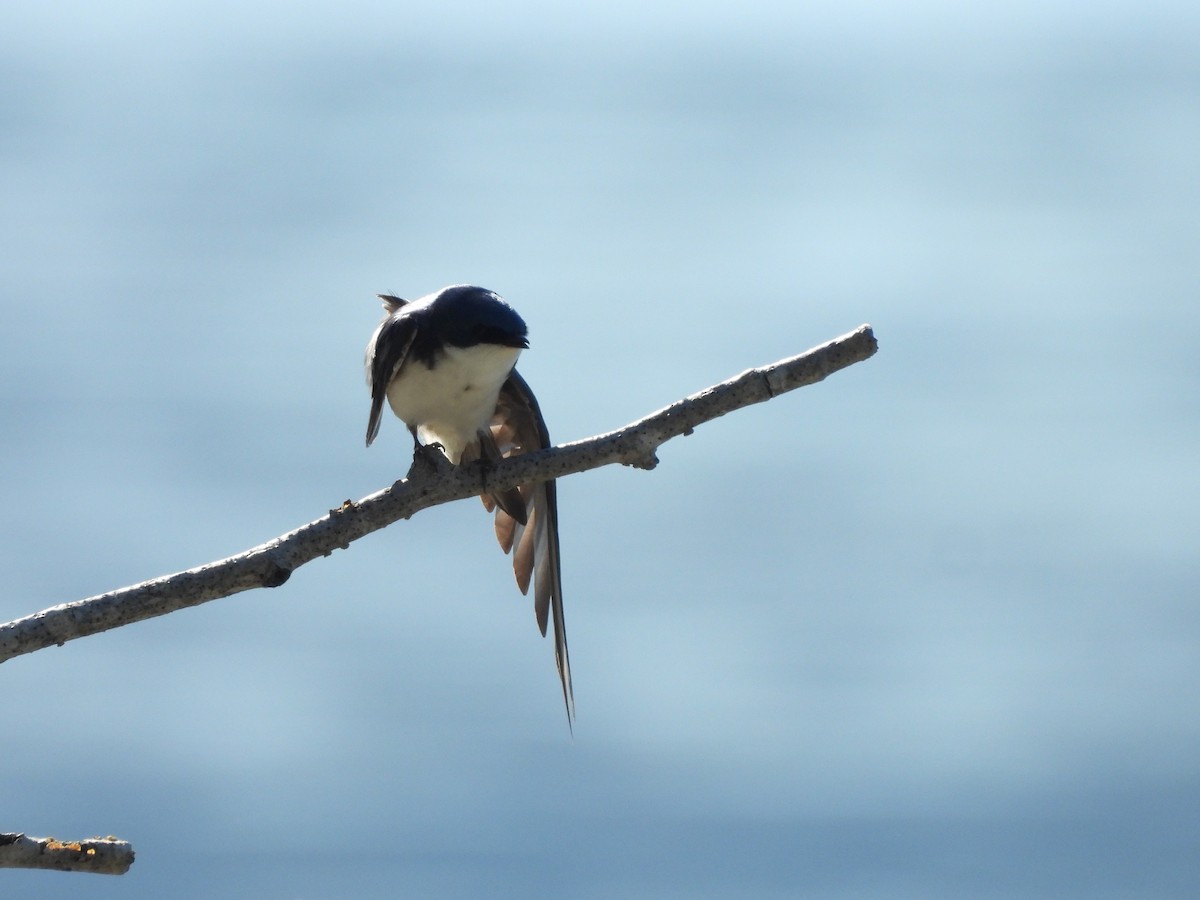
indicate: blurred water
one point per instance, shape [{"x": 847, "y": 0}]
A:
[{"x": 926, "y": 629}]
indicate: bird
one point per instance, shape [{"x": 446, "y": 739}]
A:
[{"x": 446, "y": 364}]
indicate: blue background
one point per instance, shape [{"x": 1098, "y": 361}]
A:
[{"x": 927, "y": 629}]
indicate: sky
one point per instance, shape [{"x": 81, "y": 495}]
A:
[{"x": 928, "y": 628}]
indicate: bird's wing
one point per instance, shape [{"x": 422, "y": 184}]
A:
[
  {"x": 386, "y": 352},
  {"x": 518, "y": 427},
  {"x": 391, "y": 303}
]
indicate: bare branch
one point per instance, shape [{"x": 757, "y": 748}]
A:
[
  {"x": 272, "y": 563},
  {"x": 100, "y": 856}
]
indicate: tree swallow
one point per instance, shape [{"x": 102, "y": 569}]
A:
[{"x": 445, "y": 363}]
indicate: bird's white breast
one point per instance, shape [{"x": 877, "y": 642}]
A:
[{"x": 456, "y": 398}]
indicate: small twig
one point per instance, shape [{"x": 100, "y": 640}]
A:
[
  {"x": 272, "y": 563},
  {"x": 100, "y": 856}
]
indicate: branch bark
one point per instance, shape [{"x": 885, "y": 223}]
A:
[
  {"x": 100, "y": 856},
  {"x": 272, "y": 563}
]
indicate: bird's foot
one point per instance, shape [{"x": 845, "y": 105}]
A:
[{"x": 429, "y": 459}]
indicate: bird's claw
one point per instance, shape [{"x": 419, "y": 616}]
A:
[{"x": 428, "y": 459}]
